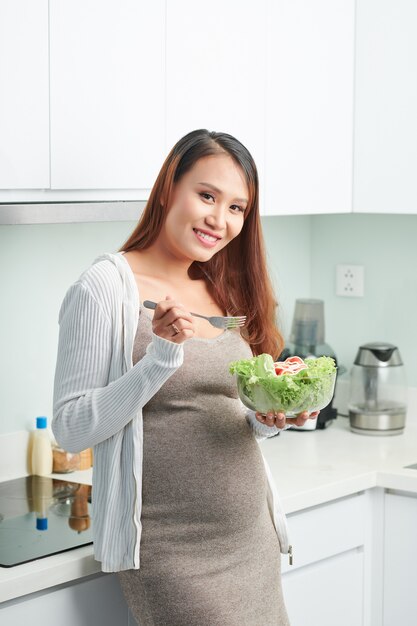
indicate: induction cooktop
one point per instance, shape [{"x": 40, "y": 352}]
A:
[{"x": 41, "y": 516}]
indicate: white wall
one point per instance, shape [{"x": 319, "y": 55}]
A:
[
  {"x": 386, "y": 245},
  {"x": 38, "y": 263},
  {"x": 288, "y": 243}
]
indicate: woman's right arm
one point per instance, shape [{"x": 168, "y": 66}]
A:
[{"x": 87, "y": 408}]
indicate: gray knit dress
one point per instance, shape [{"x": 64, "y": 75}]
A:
[{"x": 209, "y": 552}]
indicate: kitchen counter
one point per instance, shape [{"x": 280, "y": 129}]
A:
[
  {"x": 314, "y": 467},
  {"x": 309, "y": 467}
]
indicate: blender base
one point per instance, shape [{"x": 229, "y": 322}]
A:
[{"x": 379, "y": 433}]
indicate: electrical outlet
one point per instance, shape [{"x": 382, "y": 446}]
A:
[{"x": 350, "y": 280}]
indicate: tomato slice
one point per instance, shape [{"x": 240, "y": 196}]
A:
[
  {"x": 295, "y": 359},
  {"x": 291, "y": 365}
]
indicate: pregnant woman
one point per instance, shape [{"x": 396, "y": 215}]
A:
[{"x": 183, "y": 505}]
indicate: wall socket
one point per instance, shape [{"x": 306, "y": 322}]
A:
[{"x": 350, "y": 280}]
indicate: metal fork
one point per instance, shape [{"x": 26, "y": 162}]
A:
[{"x": 215, "y": 320}]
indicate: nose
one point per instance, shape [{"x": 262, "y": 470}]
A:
[{"x": 216, "y": 219}]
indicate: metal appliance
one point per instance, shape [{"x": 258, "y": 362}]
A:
[
  {"x": 41, "y": 516},
  {"x": 307, "y": 341},
  {"x": 378, "y": 391}
]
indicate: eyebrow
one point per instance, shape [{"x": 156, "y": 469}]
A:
[{"x": 217, "y": 190}]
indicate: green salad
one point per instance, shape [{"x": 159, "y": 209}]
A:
[{"x": 262, "y": 389}]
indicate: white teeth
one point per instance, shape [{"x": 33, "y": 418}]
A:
[{"x": 206, "y": 236}]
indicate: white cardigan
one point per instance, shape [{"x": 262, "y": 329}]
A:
[{"x": 98, "y": 400}]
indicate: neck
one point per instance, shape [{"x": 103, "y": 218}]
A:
[{"x": 150, "y": 261}]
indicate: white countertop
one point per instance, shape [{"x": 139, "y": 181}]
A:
[
  {"x": 313, "y": 467},
  {"x": 309, "y": 467}
]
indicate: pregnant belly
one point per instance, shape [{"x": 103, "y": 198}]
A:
[{"x": 203, "y": 472}]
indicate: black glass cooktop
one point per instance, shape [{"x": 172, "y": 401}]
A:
[{"x": 41, "y": 516}]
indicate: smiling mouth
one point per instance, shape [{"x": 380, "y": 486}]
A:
[{"x": 205, "y": 237}]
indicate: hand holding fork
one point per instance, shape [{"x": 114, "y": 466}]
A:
[{"x": 172, "y": 322}]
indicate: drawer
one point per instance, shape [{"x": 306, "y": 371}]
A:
[{"x": 325, "y": 530}]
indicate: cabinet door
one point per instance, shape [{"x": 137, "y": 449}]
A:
[
  {"x": 385, "y": 160},
  {"x": 400, "y": 560},
  {"x": 324, "y": 524},
  {"x": 107, "y": 93},
  {"x": 96, "y": 601},
  {"x": 309, "y": 106},
  {"x": 326, "y": 593},
  {"x": 24, "y": 101},
  {"x": 216, "y": 70}
]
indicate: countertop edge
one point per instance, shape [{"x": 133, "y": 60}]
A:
[
  {"x": 332, "y": 491},
  {"x": 48, "y": 572}
]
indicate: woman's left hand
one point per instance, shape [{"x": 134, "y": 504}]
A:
[{"x": 278, "y": 419}]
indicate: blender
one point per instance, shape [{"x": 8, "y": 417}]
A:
[{"x": 307, "y": 341}]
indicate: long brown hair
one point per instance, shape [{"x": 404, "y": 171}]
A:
[{"x": 237, "y": 275}]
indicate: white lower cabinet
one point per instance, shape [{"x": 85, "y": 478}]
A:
[
  {"x": 400, "y": 559},
  {"x": 96, "y": 601},
  {"x": 326, "y": 593},
  {"x": 325, "y": 584}
]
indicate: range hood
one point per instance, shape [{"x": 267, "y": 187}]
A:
[{"x": 71, "y": 212}]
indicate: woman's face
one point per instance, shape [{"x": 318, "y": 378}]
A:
[{"x": 207, "y": 209}]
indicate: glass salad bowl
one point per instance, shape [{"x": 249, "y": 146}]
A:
[{"x": 261, "y": 389}]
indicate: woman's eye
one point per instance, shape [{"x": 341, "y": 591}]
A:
[
  {"x": 206, "y": 196},
  {"x": 237, "y": 208}
]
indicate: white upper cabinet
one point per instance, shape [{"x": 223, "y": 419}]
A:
[
  {"x": 216, "y": 70},
  {"x": 309, "y": 103},
  {"x": 95, "y": 92},
  {"x": 24, "y": 100},
  {"x": 107, "y": 93},
  {"x": 385, "y": 159}
]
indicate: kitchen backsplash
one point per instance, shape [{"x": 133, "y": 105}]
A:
[
  {"x": 38, "y": 263},
  {"x": 385, "y": 245}
]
